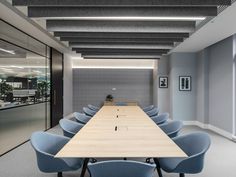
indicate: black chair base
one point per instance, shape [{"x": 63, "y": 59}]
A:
[
  {"x": 181, "y": 175},
  {"x": 59, "y": 174},
  {"x": 158, "y": 167}
]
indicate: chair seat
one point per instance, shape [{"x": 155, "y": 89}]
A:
[{"x": 169, "y": 164}]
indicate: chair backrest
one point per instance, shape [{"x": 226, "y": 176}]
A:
[
  {"x": 88, "y": 111},
  {"x": 195, "y": 145},
  {"x": 81, "y": 118},
  {"x": 172, "y": 128},
  {"x": 153, "y": 112},
  {"x": 121, "y": 168},
  {"x": 161, "y": 118},
  {"x": 69, "y": 127},
  {"x": 95, "y": 108},
  {"x": 121, "y": 104},
  {"x": 148, "y": 108},
  {"x": 47, "y": 145}
]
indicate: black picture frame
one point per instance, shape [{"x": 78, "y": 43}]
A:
[
  {"x": 163, "y": 82},
  {"x": 185, "y": 83}
]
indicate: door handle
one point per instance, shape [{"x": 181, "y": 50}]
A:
[{"x": 54, "y": 97}]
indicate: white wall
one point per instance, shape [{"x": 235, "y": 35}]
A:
[{"x": 68, "y": 85}]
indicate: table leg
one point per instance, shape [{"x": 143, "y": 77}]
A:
[
  {"x": 85, "y": 164},
  {"x": 158, "y": 167}
]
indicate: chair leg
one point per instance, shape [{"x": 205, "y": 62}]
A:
[
  {"x": 181, "y": 175},
  {"x": 158, "y": 167},
  {"x": 59, "y": 174}
]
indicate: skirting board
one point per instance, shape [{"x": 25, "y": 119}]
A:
[{"x": 212, "y": 128}]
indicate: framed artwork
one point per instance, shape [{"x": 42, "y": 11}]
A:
[
  {"x": 163, "y": 82},
  {"x": 185, "y": 83}
]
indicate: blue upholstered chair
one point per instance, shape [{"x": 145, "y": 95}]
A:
[
  {"x": 172, "y": 128},
  {"x": 153, "y": 112},
  {"x": 148, "y": 108},
  {"x": 161, "y": 118},
  {"x": 92, "y": 107},
  {"x": 46, "y": 146},
  {"x": 195, "y": 145},
  {"x": 69, "y": 127},
  {"x": 89, "y": 112},
  {"x": 81, "y": 117},
  {"x": 120, "y": 103},
  {"x": 121, "y": 168}
]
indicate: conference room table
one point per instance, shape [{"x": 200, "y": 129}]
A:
[{"x": 120, "y": 132}]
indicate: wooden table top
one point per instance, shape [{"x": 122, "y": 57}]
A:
[{"x": 120, "y": 131}]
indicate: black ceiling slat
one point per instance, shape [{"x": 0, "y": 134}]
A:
[
  {"x": 120, "y": 2},
  {"x": 122, "y": 50},
  {"x": 122, "y": 40},
  {"x": 120, "y": 26},
  {"x": 58, "y": 11},
  {"x": 120, "y": 35}
]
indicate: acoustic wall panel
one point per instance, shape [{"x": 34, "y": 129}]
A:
[{"x": 91, "y": 86}]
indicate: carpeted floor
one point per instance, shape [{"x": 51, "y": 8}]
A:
[{"x": 220, "y": 160}]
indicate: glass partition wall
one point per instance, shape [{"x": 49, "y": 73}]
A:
[{"x": 24, "y": 87}]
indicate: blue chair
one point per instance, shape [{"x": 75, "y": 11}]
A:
[
  {"x": 81, "y": 118},
  {"x": 92, "y": 107},
  {"x": 153, "y": 112},
  {"x": 195, "y": 145},
  {"x": 121, "y": 168},
  {"x": 46, "y": 146},
  {"x": 161, "y": 118},
  {"x": 148, "y": 108},
  {"x": 69, "y": 127},
  {"x": 172, "y": 128},
  {"x": 120, "y": 104},
  {"x": 89, "y": 112}
]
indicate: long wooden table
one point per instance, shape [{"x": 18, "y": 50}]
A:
[{"x": 120, "y": 131}]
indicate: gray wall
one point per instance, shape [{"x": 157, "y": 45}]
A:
[
  {"x": 212, "y": 98},
  {"x": 180, "y": 104},
  {"x": 163, "y": 93},
  {"x": 234, "y": 83},
  {"x": 68, "y": 86},
  {"x": 202, "y": 112},
  {"x": 183, "y": 104},
  {"x": 215, "y": 85},
  {"x": 91, "y": 86},
  {"x": 155, "y": 83},
  {"x": 221, "y": 84}
]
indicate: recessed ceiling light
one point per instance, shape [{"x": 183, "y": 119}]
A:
[
  {"x": 132, "y": 18},
  {"x": 8, "y": 51}
]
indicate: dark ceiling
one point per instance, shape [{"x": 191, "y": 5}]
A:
[{"x": 104, "y": 29}]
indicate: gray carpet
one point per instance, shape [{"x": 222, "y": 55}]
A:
[{"x": 220, "y": 160}]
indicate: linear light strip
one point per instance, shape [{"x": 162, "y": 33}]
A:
[
  {"x": 113, "y": 67},
  {"x": 8, "y": 51},
  {"x": 129, "y": 18}
]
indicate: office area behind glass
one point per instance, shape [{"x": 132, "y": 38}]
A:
[{"x": 24, "y": 86}]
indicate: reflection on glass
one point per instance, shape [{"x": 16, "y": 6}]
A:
[
  {"x": 24, "y": 94},
  {"x": 23, "y": 79}
]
